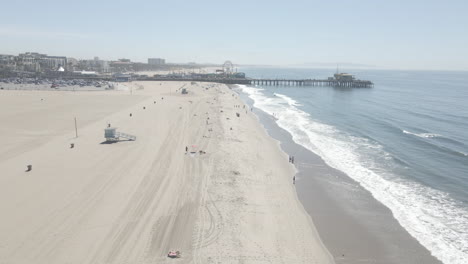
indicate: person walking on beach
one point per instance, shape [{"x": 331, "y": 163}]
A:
[
  {"x": 294, "y": 179},
  {"x": 186, "y": 149}
]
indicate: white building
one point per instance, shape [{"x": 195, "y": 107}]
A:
[
  {"x": 95, "y": 64},
  {"x": 41, "y": 61},
  {"x": 54, "y": 62},
  {"x": 156, "y": 61}
]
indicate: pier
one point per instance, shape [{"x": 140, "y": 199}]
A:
[
  {"x": 313, "y": 82},
  {"x": 274, "y": 82},
  {"x": 248, "y": 81},
  {"x": 343, "y": 80}
]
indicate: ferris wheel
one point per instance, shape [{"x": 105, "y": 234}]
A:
[{"x": 228, "y": 67}]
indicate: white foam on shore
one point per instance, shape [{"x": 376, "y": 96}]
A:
[{"x": 437, "y": 221}]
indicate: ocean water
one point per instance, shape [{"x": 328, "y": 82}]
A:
[{"x": 405, "y": 141}]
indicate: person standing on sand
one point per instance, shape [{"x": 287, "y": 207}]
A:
[
  {"x": 186, "y": 149},
  {"x": 294, "y": 179}
]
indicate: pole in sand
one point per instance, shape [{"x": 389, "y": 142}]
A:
[{"x": 76, "y": 129}]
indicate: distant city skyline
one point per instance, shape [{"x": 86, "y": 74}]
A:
[{"x": 425, "y": 35}]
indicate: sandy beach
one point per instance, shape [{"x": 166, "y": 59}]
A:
[{"x": 228, "y": 199}]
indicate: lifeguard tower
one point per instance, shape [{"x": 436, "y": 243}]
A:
[{"x": 111, "y": 135}]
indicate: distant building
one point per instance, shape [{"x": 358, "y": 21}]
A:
[
  {"x": 104, "y": 66},
  {"x": 95, "y": 64},
  {"x": 122, "y": 65},
  {"x": 7, "y": 58},
  {"x": 30, "y": 57},
  {"x": 85, "y": 73},
  {"x": 343, "y": 77},
  {"x": 7, "y": 61},
  {"x": 36, "y": 61},
  {"x": 30, "y": 61},
  {"x": 239, "y": 75},
  {"x": 156, "y": 61},
  {"x": 54, "y": 62},
  {"x": 119, "y": 77},
  {"x": 72, "y": 64}
]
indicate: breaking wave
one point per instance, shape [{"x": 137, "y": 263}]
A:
[
  {"x": 437, "y": 221},
  {"x": 422, "y": 135}
]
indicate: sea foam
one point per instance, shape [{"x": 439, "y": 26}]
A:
[{"x": 437, "y": 221}]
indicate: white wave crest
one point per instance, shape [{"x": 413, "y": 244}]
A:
[
  {"x": 422, "y": 135},
  {"x": 289, "y": 100},
  {"x": 438, "y": 222}
]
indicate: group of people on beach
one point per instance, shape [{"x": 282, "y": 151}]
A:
[{"x": 291, "y": 160}]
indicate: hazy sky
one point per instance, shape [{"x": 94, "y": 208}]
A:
[{"x": 399, "y": 34}]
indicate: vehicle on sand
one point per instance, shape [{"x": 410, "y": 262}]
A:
[{"x": 173, "y": 254}]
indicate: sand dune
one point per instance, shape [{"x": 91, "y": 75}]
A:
[{"x": 133, "y": 201}]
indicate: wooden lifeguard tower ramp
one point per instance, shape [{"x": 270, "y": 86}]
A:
[{"x": 111, "y": 135}]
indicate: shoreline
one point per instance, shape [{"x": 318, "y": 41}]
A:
[{"x": 354, "y": 226}]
